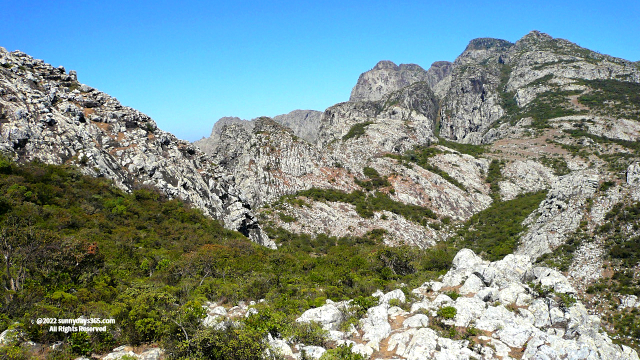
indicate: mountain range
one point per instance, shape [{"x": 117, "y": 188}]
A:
[{"x": 526, "y": 149}]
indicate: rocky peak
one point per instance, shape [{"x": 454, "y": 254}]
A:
[
  {"x": 488, "y": 44},
  {"x": 410, "y": 67},
  {"x": 439, "y": 77},
  {"x": 535, "y": 36},
  {"x": 267, "y": 124},
  {"x": 438, "y": 71},
  {"x": 227, "y": 120},
  {"x": 536, "y": 40},
  {"x": 386, "y": 77},
  {"x": 481, "y": 49},
  {"x": 304, "y": 124},
  {"x": 206, "y": 144}
]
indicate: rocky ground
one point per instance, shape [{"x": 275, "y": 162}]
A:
[{"x": 508, "y": 309}]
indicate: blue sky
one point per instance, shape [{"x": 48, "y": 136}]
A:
[{"x": 188, "y": 63}]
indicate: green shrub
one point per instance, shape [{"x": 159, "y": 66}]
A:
[
  {"x": 308, "y": 334},
  {"x": 469, "y": 149},
  {"x": 362, "y": 303},
  {"x": 286, "y": 218},
  {"x": 375, "y": 180},
  {"x": 5, "y": 165},
  {"x": 613, "y": 98},
  {"x": 452, "y": 294},
  {"x": 13, "y": 352},
  {"x": 231, "y": 343},
  {"x": 494, "y": 176},
  {"x": 80, "y": 343},
  {"x": 367, "y": 204},
  {"x": 447, "y": 312}
]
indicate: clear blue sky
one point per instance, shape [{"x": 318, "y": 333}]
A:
[{"x": 188, "y": 63}]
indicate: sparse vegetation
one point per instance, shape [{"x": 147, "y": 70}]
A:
[
  {"x": 494, "y": 176},
  {"x": 612, "y": 98},
  {"x": 562, "y": 256},
  {"x": 375, "y": 181},
  {"x": 469, "y": 149},
  {"x": 141, "y": 258},
  {"x": 447, "y": 312},
  {"x": 558, "y": 164}
]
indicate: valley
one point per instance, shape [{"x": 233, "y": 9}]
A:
[{"x": 483, "y": 208}]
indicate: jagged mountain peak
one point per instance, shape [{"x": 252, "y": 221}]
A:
[{"x": 536, "y": 35}]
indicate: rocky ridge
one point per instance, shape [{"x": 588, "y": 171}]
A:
[
  {"x": 47, "y": 115},
  {"x": 304, "y": 123},
  {"x": 270, "y": 161},
  {"x": 384, "y": 78}
]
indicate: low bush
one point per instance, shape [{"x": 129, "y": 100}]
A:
[
  {"x": 447, "y": 312},
  {"x": 357, "y": 130}
]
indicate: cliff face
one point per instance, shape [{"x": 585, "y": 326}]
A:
[
  {"x": 303, "y": 123},
  {"x": 47, "y": 115}
]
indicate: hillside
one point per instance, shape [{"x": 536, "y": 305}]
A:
[{"x": 46, "y": 114}]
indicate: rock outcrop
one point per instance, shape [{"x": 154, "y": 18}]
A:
[
  {"x": 304, "y": 124},
  {"x": 48, "y": 115},
  {"x": 208, "y": 144},
  {"x": 472, "y": 102}
]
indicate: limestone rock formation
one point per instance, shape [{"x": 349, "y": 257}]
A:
[
  {"x": 491, "y": 73},
  {"x": 472, "y": 102},
  {"x": 207, "y": 144}
]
